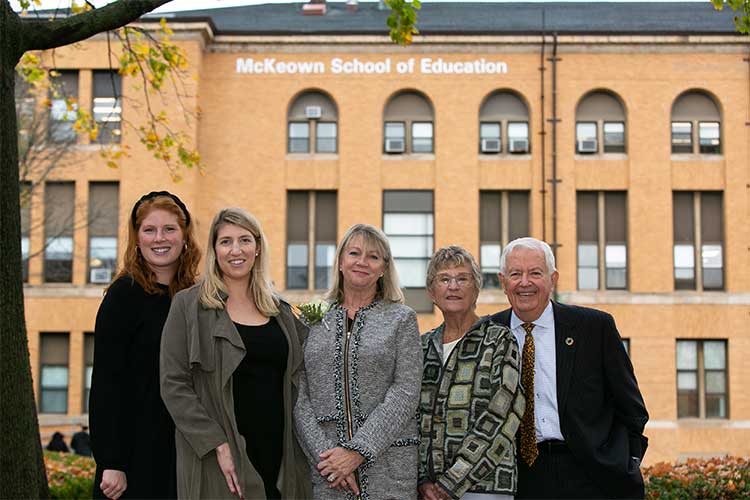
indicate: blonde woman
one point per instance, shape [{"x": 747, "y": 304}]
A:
[
  {"x": 355, "y": 413},
  {"x": 231, "y": 357}
]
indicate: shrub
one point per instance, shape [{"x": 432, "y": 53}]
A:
[
  {"x": 69, "y": 476},
  {"x": 725, "y": 478}
]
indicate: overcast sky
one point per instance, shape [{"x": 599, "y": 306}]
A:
[{"x": 204, "y": 4}]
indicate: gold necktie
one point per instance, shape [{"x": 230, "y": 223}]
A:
[{"x": 529, "y": 450}]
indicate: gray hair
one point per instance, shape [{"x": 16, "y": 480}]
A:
[
  {"x": 532, "y": 244},
  {"x": 453, "y": 256}
]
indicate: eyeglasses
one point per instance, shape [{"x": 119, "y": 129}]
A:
[{"x": 462, "y": 280}]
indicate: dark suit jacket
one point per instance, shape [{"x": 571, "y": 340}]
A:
[{"x": 602, "y": 414}]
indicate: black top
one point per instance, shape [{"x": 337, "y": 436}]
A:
[
  {"x": 131, "y": 429},
  {"x": 258, "y": 388}
]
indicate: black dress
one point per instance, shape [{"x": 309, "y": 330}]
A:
[
  {"x": 131, "y": 429},
  {"x": 258, "y": 385}
]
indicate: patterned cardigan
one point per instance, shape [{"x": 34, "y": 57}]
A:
[{"x": 470, "y": 411}]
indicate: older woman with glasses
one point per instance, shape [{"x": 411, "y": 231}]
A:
[{"x": 471, "y": 404}]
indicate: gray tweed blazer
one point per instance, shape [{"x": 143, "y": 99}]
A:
[{"x": 384, "y": 361}]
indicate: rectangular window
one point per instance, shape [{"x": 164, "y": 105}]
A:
[
  {"x": 518, "y": 137},
  {"x": 59, "y": 198},
  {"x": 682, "y": 137},
  {"x": 325, "y": 137},
  {"x": 63, "y": 106},
  {"x": 614, "y": 137},
  {"x": 698, "y": 237},
  {"x": 322, "y": 205},
  {"x": 702, "y": 379},
  {"x": 299, "y": 137},
  {"x": 103, "y": 222},
  {"x": 601, "y": 224},
  {"x": 489, "y": 138},
  {"x": 88, "y": 368},
  {"x": 587, "y": 210},
  {"x": 712, "y": 254},
  {"x": 421, "y": 137},
  {"x": 395, "y": 137},
  {"x": 503, "y": 217},
  {"x": 325, "y": 237},
  {"x": 107, "y": 105},
  {"x": 297, "y": 238},
  {"x": 25, "y": 196},
  {"x": 53, "y": 367},
  {"x": 586, "y": 138},
  {"x": 408, "y": 221},
  {"x": 615, "y": 241},
  {"x": 709, "y": 138}
]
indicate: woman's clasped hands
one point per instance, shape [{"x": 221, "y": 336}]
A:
[{"x": 337, "y": 466}]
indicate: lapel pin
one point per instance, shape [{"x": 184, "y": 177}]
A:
[{"x": 569, "y": 341}]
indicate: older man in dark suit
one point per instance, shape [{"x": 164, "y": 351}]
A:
[{"x": 582, "y": 434}]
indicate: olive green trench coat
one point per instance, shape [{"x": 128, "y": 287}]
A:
[{"x": 200, "y": 351}]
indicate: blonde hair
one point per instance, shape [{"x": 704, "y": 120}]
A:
[
  {"x": 212, "y": 288},
  {"x": 372, "y": 239}
]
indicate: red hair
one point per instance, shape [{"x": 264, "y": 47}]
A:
[{"x": 135, "y": 266}]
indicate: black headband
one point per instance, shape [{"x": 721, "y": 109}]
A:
[{"x": 156, "y": 194}]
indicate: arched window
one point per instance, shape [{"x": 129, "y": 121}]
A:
[
  {"x": 504, "y": 124},
  {"x": 696, "y": 124},
  {"x": 312, "y": 124},
  {"x": 600, "y": 124},
  {"x": 408, "y": 124}
]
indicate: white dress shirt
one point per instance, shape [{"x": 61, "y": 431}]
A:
[{"x": 546, "y": 418}]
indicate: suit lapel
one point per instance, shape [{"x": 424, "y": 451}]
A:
[
  {"x": 566, "y": 344},
  {"x": 502, "y": 318}
]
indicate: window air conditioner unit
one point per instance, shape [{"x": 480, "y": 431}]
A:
[
  {"x": 518, "y": 146},
  {"x": 313, "y": 112},
  {"x": 490, "y": 146},
  {"x": 709, "y": 142},
  {"x": 394, "y": 145},
  {"x": 587, "y": 146},
  {"x": 101, "y": 275}
]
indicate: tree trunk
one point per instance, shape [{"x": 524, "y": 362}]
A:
[{"x": 22, "y": 474}]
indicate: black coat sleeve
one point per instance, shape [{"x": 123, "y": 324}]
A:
[
  {"x": 109, "y": 404},
  {"x": 629, "y": 407}
]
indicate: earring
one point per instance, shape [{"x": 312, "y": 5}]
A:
[{"x": 256, "y": 254}]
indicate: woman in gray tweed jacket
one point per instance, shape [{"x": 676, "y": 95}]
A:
[{"x": 355, "y": 413}]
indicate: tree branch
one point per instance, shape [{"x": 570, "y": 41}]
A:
[{"x": 43, "y": 34}]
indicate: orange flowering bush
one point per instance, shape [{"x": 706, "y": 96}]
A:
[
  {"x": 69, "y": 476},
  {"x": 725, "y": 478}
]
